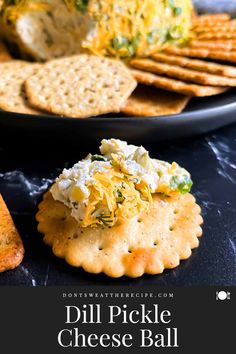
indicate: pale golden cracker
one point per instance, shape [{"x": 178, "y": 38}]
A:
[
  {"x": 81, "y": 86},
  {"x": 150, "y": 101},
  {"x": 212, "y": 19},
  {"x": 145, "y": 244},
  {"x": 203, "y": 53},
  {"x": 218, "y": 45},
  {"x": 219, "y": 28},
  {"x": 12, "y": 94},
  {"x": 200, "y": 65},
  {"x": 11, "y": 246},
  {"x": 178, "y": 86},
  {"x": 181, "y": 73},
  {"x": 4, "y": 53},
  {"x": 216, "y": 35}
]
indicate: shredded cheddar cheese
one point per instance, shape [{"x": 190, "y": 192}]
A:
[{"x": 126, "y": 28}]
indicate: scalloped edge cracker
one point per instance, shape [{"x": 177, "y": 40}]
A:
[
  {"x": 81, "y": 86},
  {"x": 12, "y": 94},
  {"x": 147, "y": 243},
  {"x": 11, "y": 246},
  {"x": 150, "y": 101}
]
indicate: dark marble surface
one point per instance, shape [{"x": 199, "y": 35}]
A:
[{"x": 26, "y": 172}]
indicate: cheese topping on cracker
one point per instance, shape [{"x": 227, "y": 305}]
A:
[{"x": 116, "y": 184}]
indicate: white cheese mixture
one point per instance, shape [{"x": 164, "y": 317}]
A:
[{"x": 119, "y": 183}]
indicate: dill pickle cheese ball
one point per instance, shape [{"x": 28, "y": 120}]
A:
[{"x": 124, "y": 28}]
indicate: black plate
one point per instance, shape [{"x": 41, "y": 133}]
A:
[{"x": 201, "y": 115}]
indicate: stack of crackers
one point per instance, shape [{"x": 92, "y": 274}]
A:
[
  {"x": 81, "y": 86},
  {"x": 85, "y": 85},
  {"x": 203, "y": 67}
]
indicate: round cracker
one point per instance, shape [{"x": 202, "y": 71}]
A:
[
  {"x": 148, "y": 243},
  {"x": 12, "y": 94},
  {"x": 81, "y": 86}
]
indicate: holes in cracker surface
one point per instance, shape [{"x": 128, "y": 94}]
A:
[
  {"x": 171, "y": 228},
  {"x": 155, "y": 243}
]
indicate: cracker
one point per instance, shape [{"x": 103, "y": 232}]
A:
[
  {"x": 212, "y": 19},
  {"x": 12, "y": 94},
  {"x": 178, "y": 86},
  {"x": 200, "y": 65},
  {"x": 184, "y": 74},
  {"x": 228, "y": 27},
  {"x": 11, "y": 246},
  {"x": 223, "y": 45},
  {"x": 148, "y": 243},
  {"x": 81, "y": 86},
  {"x": 203, "y": 53},
  {"x": 4, "y": 53},
  {"x": 216, "y": 35},
  {"x": 148, "y": 101}
]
